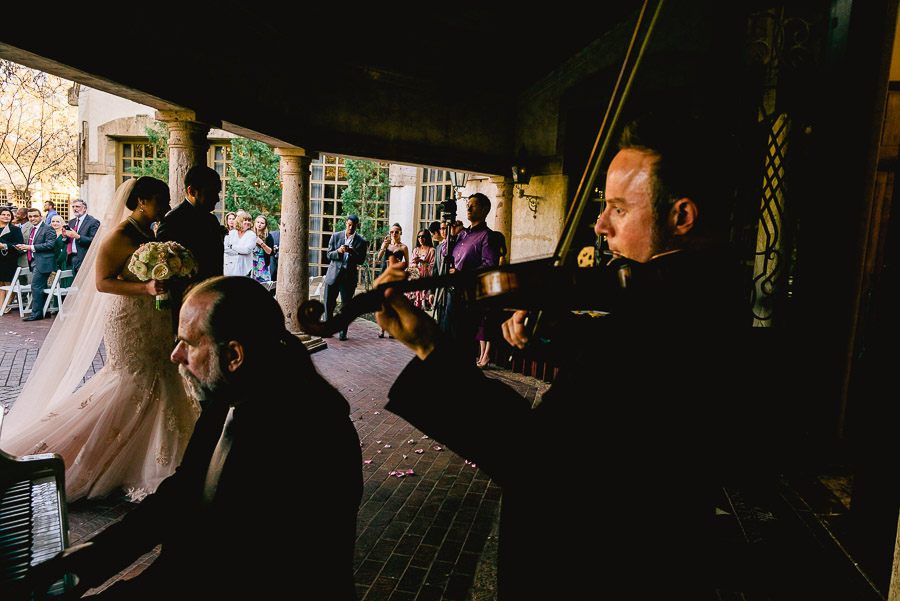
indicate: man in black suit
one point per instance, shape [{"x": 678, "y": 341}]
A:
[
  {"x": 346, "y": 252},
  {"x": 39, "y": 250},
  {"x": 80, "y": 233},
  {"x": 216, "y": 515},
  {"x": 276, "y": 237},
  {"x": 192, "y": 225}
]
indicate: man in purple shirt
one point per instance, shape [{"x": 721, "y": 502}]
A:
[{"x": 473, "y": 248}]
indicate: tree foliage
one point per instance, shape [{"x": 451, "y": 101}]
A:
[
  {"x": 158, "y": 136},
  {"x": 38, "y": 133},
  {"x": 367, "y": 187},
  {"x": 253, "y": 184}
]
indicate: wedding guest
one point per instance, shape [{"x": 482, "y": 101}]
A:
[
  {"x": 473, "y": 248},
  {"x": 240, "y": 245},
  {"x": 56, "y": 222},
  {"x": 26, "y": 226},
  {"x": 49, "y": 211},
  {"x": 276, "y": 239},
  {"x": 423, "y": 262},
  {"x": 391, "y": 246},
  {"x": 229, "y": 223},
  {"x": 80, "y": 233},
  {"x": 21, "y": 217},
  {"x": 262, "y": 254},
  {"x": 10, "y": 235}
]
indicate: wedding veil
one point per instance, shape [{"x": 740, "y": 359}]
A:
[{"x": 73, "y": 340}]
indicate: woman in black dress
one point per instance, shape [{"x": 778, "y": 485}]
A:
[{"x": 10, "y": 235}]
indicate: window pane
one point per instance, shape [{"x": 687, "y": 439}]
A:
[
  {"x": 342, "y": 174},
  {"x": 329, "y": 207},
  {"x": 330, "y": 173},
  {"x": 315, "y": 224},
  {"x": 217, "y": 153},
  {"x": 327, "y": 224},
  {"x": 329, "y": 191},
  {"x": 315, "y": 191},
  {"x": 126, "y": 150},
  {"x": 315, "y": 240},
  {"x": 317, "y": 172},
  {"x": 326, "y": 240},
  {"x": 315, "y": 207}
]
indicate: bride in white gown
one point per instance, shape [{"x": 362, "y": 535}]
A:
[{"x": 127, "y": 426}]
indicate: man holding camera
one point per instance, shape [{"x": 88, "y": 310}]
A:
[{"x": 346, "y": 252}]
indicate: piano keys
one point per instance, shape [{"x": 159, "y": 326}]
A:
[{"x": 33, "y": 520}]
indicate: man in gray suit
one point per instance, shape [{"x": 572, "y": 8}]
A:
[
  {"x": 80, "y": 233},
  {"x": 346, "y": 251},
  {"x": 39, "y": 249}
]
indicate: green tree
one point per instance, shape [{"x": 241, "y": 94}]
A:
[
  {"x": 367, "y": 187},
  {"x": 158, "y": 138},
  {"x": 254, "y": 185}
]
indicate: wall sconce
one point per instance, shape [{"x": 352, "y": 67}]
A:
[{"x": 532, "y": 201}]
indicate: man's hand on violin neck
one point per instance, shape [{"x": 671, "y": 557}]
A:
[{"x": 405, "y": 322}]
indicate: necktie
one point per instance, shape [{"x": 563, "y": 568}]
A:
[
  {"x": 218, "y": 460},
  {"x": 31, "y": 240}
]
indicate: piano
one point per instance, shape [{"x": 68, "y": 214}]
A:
[{"x": 33, "y": 520}]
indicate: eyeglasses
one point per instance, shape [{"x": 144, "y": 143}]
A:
[{"x": 421, "y": 236}]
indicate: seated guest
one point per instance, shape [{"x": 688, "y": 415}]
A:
[{"x": 215, "y": 516}]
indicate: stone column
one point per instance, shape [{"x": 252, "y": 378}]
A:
[
  {"x": 503, "y": 201},
  {"x": 187, "y": 147},
  {"x": 293, "y": 253}
]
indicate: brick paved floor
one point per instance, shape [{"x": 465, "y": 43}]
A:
[{"x": 427, "y": 535}]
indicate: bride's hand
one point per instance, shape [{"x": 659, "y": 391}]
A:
[{"x": 156, "y": 287}]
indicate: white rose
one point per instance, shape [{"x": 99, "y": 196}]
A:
[
  {"x": 138, "y": 269},
  {"x": 160, "y": 271}
]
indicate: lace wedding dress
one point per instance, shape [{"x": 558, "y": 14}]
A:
[{"x": 128, "y": 425}]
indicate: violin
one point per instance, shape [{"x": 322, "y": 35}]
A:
[{"x": 555, "y": 282}]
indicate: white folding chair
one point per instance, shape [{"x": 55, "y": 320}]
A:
[
  {"x": 21, "y": 290},
  {"x": 317, "y": 287},
  {"x": 57, "y": 291}
]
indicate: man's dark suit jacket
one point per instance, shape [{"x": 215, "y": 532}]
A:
[
  {"x": 87, "y": 230},
  {"x": 354, "y": 258},
  {"x": 199, "y": 232},
  {"x": 612, "y": 471},
  {"x": 283, "y": 518},
  {"x": 273, "y": 266},
  {"x": 43, "y": 263}
]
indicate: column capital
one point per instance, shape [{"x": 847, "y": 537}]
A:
[
  {"x": 173, "y": 117},
  {"x": 501, "y": 180},
  {"x": 291, "y": 152}
]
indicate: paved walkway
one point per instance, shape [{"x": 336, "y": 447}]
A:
[{"x": 427, "y": 522}]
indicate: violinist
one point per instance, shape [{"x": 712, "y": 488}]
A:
[{"x": 607, "y": 481}]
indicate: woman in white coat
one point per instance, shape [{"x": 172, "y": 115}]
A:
[{"x": 239, "y": 246}]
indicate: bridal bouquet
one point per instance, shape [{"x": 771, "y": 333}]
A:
[{"x": 161, "y": 261}]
